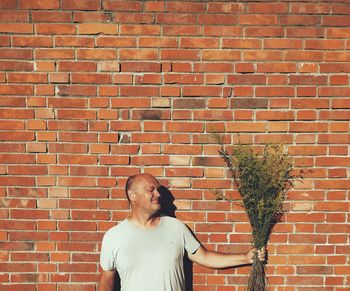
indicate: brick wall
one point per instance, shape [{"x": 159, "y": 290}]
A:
[{"x": 94, "y": 91}]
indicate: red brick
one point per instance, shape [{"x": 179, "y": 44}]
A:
[
  {"x": 76, "y": 66},
  {"x": 246, "y": 127},
  {"x": 51, "y": 16},
  {"x": 246, "y": 79},
  {"x": 278, "y": 8},
  {"x": 310, "y": 9},
  {"x": 108, "y": 41},
  {"x": 140, "y": 67},
  {"x": 118, "y": 160},
  {"x": 76, "y": 90},
  {"x": 92, "y": 16},
  {"x": 131, "y": 102},
  {"x": 228, "y": 31},
  {"x": 309, "y": 103},
  {"x": 138, "y": 54},
  {"x": 178, "y": 6},
  {"x": 216, "y": 19},
  {"x": 122, "y": 5},
  {"x": 170, "y": 18},
  {"x": 150, "y": 114},
  {"x": 102, "y": 28},
  {"x": 8, "y": 4},
  {"x": 53, "y": 29},
  {"x": 221, "y": 55},
  {"x": 182, "y": 149},
  {"x": 78, "y": 5},
  {"x": 170, "y": 91},
  {"x": 184, "y": 127},
  {"x": 139, "y": 91},
  {"x": 140, "y": 30},
  {"x": 183, "y": 79},
  {"x": 150, "y": 160},
  {"x": 225, "y": 7},
  {"x": 4, "y": 40},
  {"x": 241, "y": 43},
  {"x": 16, "y": 66},
  {"x": 21, "y": 54},
  {"x": 290, "y": 20},
  {"x": 96, "y": 54},
  {"x": 215, "y": 79},
  {"x": 200, "y": 91},
  {"x": 178, "y": 54},
  {"x": 304, "y": 56},
  {"x": 308, "y": 127},
  {"x": 264, "y": 31},
  {"x": 189, "y": 103},
  {"x": 73, "y": 41},
  {"x": 199, "y": 43},
  {"x": 154, "y": 6},
  {"x": 336, "y": 115},
  {"x": 27, "y": 78},
  {"x": 76, "y": 114},
  {"x": 276, "y": 68},
  {"x": 22, "y": 28},
  {"x": 90, "y": 78},
  {"x": 32, "y": 41},
  {"x": 44, "y": 54},
  {"x": 261, "y": 55},
  {"x": 130, "y": 17},
  {"x": 256, "y": 19},
  {"x": 42, "y": 4},
  {"x": 274, "y": 91},
  {"x": 16, "y": 113},
  {"x": 8, "y": 124},
  {"x": 150, "y": 137},
  {"x": 13, "y": 15},
  {"x": 213, "y": 115},
  {"x": 301, "y": 32}
]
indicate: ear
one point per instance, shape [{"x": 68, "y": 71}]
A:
[{"x": 132, "y": 196}]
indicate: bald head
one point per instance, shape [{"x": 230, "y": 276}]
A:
[{"x": 132, "y": 181}]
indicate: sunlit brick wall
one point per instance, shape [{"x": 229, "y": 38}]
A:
[{"x": 93, "y": 91}]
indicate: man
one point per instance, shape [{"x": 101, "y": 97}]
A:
[{"x": 147, "y": 248}]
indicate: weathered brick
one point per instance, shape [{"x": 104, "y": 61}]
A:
[
  {"x": 150, "y": 114},
  {"x": 249, "y": 103}
]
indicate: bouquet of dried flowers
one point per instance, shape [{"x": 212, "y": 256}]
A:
[{"x": 262, "y": 181}]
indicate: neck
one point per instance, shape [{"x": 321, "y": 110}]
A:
[{"x": 145, "y": 220}]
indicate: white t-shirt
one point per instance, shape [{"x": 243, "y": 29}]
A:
[{"x": 148, "y": 260}]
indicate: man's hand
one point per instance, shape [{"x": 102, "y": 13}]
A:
[{"x": 261, "y": 254}]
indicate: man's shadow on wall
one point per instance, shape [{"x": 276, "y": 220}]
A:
[{"x": 168, "y": 208}]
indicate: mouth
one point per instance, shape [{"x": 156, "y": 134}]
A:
[{"x": 155, "y": 201}]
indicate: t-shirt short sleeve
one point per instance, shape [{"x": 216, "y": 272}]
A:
[
  {"x": 191, "y": 243},
  {"x": 107, "y": 256}
]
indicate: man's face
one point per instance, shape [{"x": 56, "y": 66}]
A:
[{"x": 146, "y": 194}]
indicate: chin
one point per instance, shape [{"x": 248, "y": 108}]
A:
[{"x": 157, "y": 207}]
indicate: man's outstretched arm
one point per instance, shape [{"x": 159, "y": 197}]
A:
[
  {"x": 217, "y": 260},
  {"x": 106, "y": 280}
]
